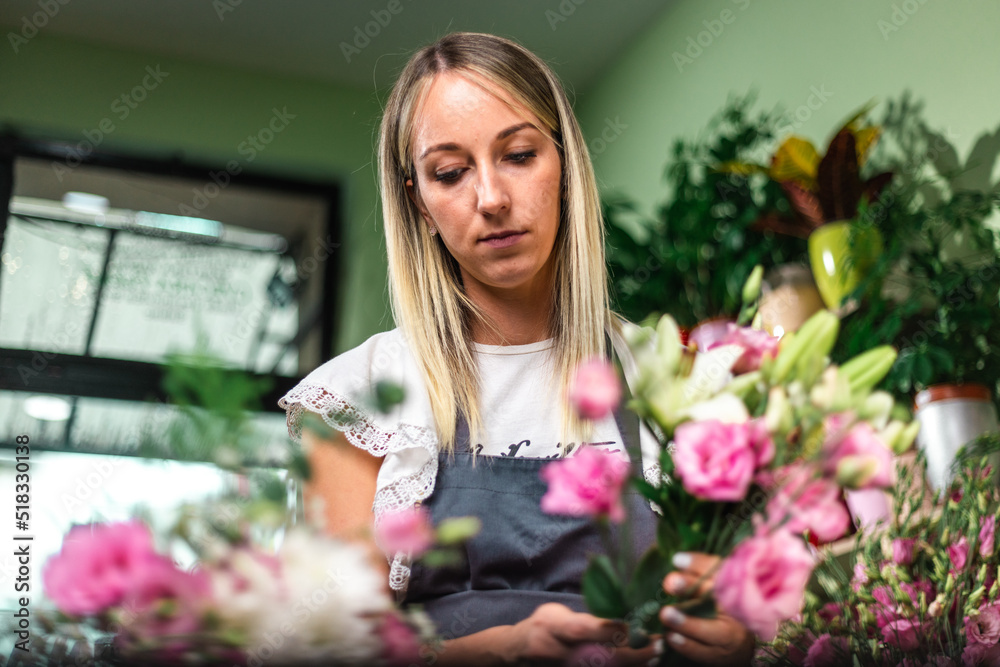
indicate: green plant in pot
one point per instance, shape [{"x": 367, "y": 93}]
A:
[
  {"x": 825, "y": 193},
  {"x": 692, "y": 259}
]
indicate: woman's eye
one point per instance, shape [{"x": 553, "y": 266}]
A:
[
  {"x": 521, "y": 157},
  {"x": 448, "y": 176}
]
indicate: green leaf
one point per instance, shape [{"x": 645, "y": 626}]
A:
[
  {"x": 666, "y": 536},
  {"x": 692, "y": 538},
  {"x": 647, "y": 581},
  {"x": 602, "y": 590},
  {"x": 648, "y": 491}
]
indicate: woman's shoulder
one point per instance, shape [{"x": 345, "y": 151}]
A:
[{"x": 341, "y": 390}]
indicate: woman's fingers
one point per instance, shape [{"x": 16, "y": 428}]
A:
[
  {"x": 715, "y": 641},
  {"x": 695, "y": 574}
]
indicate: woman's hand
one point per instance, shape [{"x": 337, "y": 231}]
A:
[
  {"x": 555, "y": 634},
  {"x": 710, "y": 641}
]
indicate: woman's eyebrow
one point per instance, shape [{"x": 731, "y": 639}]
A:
[{"x": 503, "y": 134}]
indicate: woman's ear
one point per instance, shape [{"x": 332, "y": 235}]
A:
[{"x": 414, "y": 195}]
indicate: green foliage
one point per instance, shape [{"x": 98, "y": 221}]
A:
[
  {"x": 694, "y": 257},
  {"x": 935, "y": 291}
]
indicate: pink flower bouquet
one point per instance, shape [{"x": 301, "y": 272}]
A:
[
  {"x": 922, "y": 592},
  {"x": 759, "y": 439}
]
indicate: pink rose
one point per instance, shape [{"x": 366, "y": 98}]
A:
[
  {"x": 806, "y": 502},
  {"x": 828, "y": 651},
  {"x": 906, "y": 634},
  {"x": 987, "y": 536},
  {"x": 856, "y": 456},
  {"x": 760, "y": 442},
  {"x": 763, "y": 581},
  {"x": 902, "y": 550},
  {"x": 586, "y": 484},
  {"x": 400, "y": 645},
  {"x": 97, "y": 565},
  {"x": 595, "y": 390},
  {"x": 714, "y": 460},
  {"x": 167, "y": 603},
  {"x": 407, "y": 530},
  {"x": 958, "y": 552},
  {"x": 984, "y": 628},
  {"x": 756, "y": 345}
]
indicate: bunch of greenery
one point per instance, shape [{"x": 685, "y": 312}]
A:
[
  {"x": 935, "y": 291},
  {"x": 692, "y": 260}
]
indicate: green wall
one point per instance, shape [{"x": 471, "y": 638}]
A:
[
  {"x": 946, "y": 53},
  {"x": 62, "y": 88}
]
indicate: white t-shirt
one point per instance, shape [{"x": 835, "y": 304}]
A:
[{"x": 521, "y": 407}]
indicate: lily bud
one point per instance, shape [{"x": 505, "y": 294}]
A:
[
  {"x": 876, "y": 407},
  {"x": 778, "y": 417},
  {"x": 751, "y": 288},
  {"x": 668, "y": 343},
  {"x": 854, "y": 472}
]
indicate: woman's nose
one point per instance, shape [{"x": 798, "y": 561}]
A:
[{"x": 491, "y": 192}]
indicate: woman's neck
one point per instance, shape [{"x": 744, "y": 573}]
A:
[{"x": 518, "y": 317}]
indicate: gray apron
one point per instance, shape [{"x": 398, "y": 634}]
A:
[{"x": 522, "y": 557}]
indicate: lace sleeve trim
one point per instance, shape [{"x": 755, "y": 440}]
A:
[{"x": 362, "y": 432}]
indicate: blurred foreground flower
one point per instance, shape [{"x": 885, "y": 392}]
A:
[
  {"x": 595, "y": 391},
  {"x": 588, "y": 483}
]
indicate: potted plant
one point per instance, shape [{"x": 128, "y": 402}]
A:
[
  {"x": 693, "y": 258},
  {"x": 825, "y": 193},
  {"x": 934, "y": 293}
]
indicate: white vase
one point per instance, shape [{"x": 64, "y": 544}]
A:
[{"x": 950, "y": 416}]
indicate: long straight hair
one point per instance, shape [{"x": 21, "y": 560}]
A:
[{"x": 429, "y": 302}]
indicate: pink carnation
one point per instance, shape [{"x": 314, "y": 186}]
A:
[
  {"x": 984, "y": 628},
  {"x": 97, "y": 565},
  {"x": 987, "y": 536},
  {"x": 407, "y": 530},
  {"x": 756, "y": 345},
  {"x": 860, "y": 578},
  {"x": 906, "y": 634},
  {"x": 806, "y": 502},
  {"x": 586, "y": 484},
  {"x": 828, "y": 651},
  {"x": 595, "y": 391},
  {"x": 400, "y": 645},
  {"x": 976, "y": 655},
  {"x": 902, "y": 550},
  {"x": 167, "y": 603},
  {"x": 857, "y": 454},
  {"x": 715, "y": 460},
  {"x": 958, "y": 552},
  {"x": 763, "y": 581}
]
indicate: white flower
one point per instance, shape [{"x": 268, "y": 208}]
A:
[{"x": 333, "y": 596}]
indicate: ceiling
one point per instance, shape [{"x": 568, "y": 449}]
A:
[{"x": 325, "y": 39}]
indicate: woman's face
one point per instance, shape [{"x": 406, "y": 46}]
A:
[{"x": 489, "y": 181}]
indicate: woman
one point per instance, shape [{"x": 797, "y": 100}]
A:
[{"x": 496, "y": 264}]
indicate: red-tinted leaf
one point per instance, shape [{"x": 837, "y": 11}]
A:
[
  {"x": 873, "y": 186},
  {"x": 839, "y": 183},
  {"x": 805, "y": 203}
]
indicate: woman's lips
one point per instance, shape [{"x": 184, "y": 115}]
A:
[{"x": 504, "y": 241}]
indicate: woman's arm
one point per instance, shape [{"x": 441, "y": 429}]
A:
[{"x": 341, "y": 490}]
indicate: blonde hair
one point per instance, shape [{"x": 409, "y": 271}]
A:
[{"x": 428, "y": 300}]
